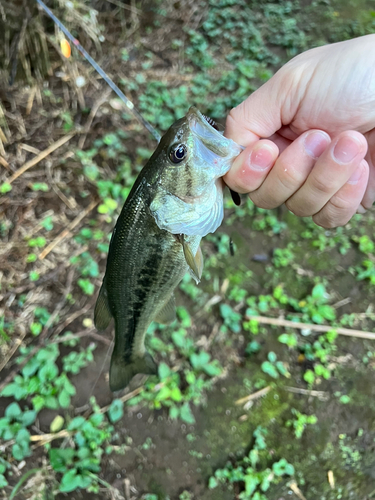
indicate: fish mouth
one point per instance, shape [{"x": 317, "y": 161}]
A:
[{"x": 206, "y": 130}]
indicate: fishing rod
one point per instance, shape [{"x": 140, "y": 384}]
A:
[{"x": 102, "y": 73}]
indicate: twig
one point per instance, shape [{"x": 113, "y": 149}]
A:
[
  {"x": 16, "y": 345},
  {"x": 72, "y": 317},
  {"x": 84, "y": 333},
  {"x": 309, "y": 326},
  {"x": 254, "y": 395},
  {"x": 4, "y": 163},
  {"x": 30, "y": 100},
  {"x": 306, "y": 392},
  {"x": 102, "y": 99},
  {"x": 39, "y": 157},
  {"x": 293, "y": 486},
  {"x": 67, "y": 230}
]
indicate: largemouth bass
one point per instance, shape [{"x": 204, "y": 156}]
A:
[{"x": 176, "y": 200}]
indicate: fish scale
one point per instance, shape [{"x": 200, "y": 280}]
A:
[{"x": 178, "y": 187}]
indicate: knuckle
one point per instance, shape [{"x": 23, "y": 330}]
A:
[
  {"x": 296, "y": 209},
  {"x": 324, "y": 186},
  {"x": 337, "y": 212},
  {"x": 289, "y": 179},
  {"x": 261, "y": 201}
]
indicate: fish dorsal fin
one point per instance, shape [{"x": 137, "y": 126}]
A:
[
  {"x": 168, "y": 312},
  {"x": 102, "y": 314},
  {"x": 195, "y": 262}
]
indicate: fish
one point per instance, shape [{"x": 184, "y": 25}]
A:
[{"x": 176, "y": 200}]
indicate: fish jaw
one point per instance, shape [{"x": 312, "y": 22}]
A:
[{"x": 210, "y": 157}]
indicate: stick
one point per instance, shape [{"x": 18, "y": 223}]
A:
[
  {"x": 4, "y": 163},
  {"x": 307, "y": 392},
  {"x": 39, "y": 157},
  {"x": 16, "y": 345},
  {"x": 67, "y": 230},
  {"x": 78, "y": 335},
  {"x": 293, "y": 486},
  {"x": 254, "y": 395},
  {"x": 318, "y": 328}
]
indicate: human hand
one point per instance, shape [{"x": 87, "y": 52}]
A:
[{"x": 318, "y": 115}]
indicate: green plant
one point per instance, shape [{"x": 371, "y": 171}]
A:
[
  {"x": 249, "y": 474},
  {"x": 273, "y": 367},
  {"x": 300, "y": 422},
  {"x": 232, "y": 319}
]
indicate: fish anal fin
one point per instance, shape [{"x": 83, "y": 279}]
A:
[
  {"x": 167, "y": 314},
  {"x": 121, "y": 372},
  {"x": 102, "y": 314},
  {"x": 195, "y": 262}
]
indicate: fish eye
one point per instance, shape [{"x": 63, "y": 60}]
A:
[{"x": 178, "y": 153}]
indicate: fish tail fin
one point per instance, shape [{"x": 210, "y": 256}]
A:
[
  {"x": 102, "y": 314},
  {"x": 121, "y": 371}
]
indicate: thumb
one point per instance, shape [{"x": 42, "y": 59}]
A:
[{"x": 260, "y": 114}]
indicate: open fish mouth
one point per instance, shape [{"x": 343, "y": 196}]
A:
[
  {"x": 213, "y": 124},
  {"x": 208, "y": 132}
]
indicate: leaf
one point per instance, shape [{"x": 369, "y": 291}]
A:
[
  {"x": 174, "y": 412},
  {"x": 164, "y": 371},
  {"x": 212, "y": 483},
  {"x": 70, "y": 481},
  {"x": 13, "y": 411},
  {"x": 64, "y": 399},
  {"x": 5, "y": 187},
  {"x": 186, "y": 414},
  {"x": 116, "y": 410},
  {"x": 270, "y": 369},
  {"x": 272, "y": 357},
  {"x": 61, "y": 458},
  {"x": 48, "y": 371},
  {"x": 176, "y": 394},
  {"x": 213, "y": 369},
  {"x": 319, "y": 292},
  {"x": 10, "y": 390},
  {"x": 57, "y": 423},
  {"x": 309, "y": 376},
  {"x": 28, "y": 417},
  {"x": 198, "y": 361},
  {"x": 76, "y": 423}
]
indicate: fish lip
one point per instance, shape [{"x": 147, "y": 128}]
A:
[{"x": 211, "y": 137}]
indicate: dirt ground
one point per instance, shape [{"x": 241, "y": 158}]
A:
[{"x": 59, "y": 140}]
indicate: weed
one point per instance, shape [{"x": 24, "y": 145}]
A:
[
  {"x": 249, "y": 475},
  {"x": 300, "y": 421},
  {"x": 273, "y": 367}
]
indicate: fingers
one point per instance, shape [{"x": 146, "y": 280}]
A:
[
  {"x": 369, "y": 196},
  {"x": 259, "y": 115},
  {"x": 346, "y": 202},
  {"x": 291, "y": 169},
  {"x": 339, "y": 164},
  {"x": 251, "y": 167}
]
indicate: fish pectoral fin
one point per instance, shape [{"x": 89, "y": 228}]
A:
[
  {"x": 102, "y": 314},
  {"x": 195, "y": 262},
  {"x": 167, "y": 314},
  {"x": 121, "y": 372}
]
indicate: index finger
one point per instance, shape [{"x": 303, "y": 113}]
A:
[{"x": 259, "y": 116}]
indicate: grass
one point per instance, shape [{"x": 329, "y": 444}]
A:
[{"x": 58, "y": 439}]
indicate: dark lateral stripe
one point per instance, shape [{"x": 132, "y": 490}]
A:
[{"x": 148, "y": 275}]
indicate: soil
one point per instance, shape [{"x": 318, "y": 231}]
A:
[{"x": 165, "y": 457}]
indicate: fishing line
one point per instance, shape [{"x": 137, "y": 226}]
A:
[{"x": 101, "y": 72}]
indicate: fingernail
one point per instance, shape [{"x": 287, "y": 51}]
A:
[
  {"x": 261, "y": 158},
  {"x": 346, "y": 149},
  {"x": 356, "y": 175},
  {"x": 315, "y": 143}
]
